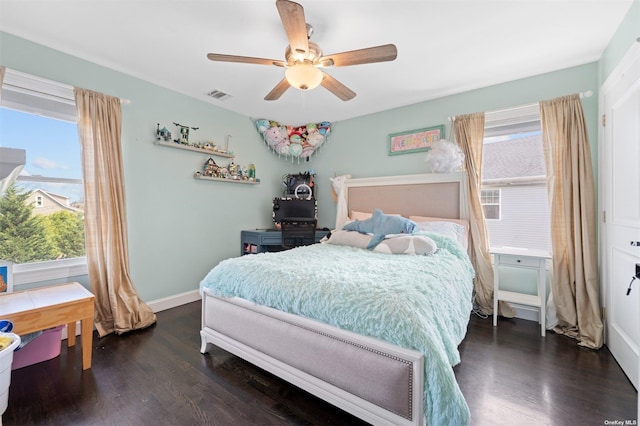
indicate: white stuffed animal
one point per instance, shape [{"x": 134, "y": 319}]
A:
[
  {"x": 337, "y": 183},
  {"x": 337, "y": 192}
]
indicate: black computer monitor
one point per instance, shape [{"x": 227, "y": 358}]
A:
[{"x": 294, "y": 209}]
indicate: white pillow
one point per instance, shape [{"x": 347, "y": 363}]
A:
[
  {"x": 452, "y": 230},
  {"x": 349, "y": 238},
  {"x": 407, "y": 244},
  {"x": 462, "y": 222},
  {"x": 356, "y": 215}
]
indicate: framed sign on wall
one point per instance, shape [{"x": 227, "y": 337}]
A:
[{"x": 414, "y": 140}]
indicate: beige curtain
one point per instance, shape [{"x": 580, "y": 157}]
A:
[
  {"x": 573, "y": 220},
  {"x": 469, "y": 134},
  {"x": 118, "y": 307}
]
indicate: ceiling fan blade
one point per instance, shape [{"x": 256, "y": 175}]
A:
[
  {"x": 244, "y": 59},
  {"x": 293, "y": 21},
  {"x": 277, "y": 91},
  {"x": 384, "y": 53},
  {"x": 337, "y": 88}
]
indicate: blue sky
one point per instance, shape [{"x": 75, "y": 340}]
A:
[{"x": 52, "y": 149}]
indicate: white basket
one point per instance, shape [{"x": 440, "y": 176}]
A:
[{"x": 6, "y": 358}]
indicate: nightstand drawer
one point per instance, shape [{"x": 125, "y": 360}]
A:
[{"x": 519, "y": 261}]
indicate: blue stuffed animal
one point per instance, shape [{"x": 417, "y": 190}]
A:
[{"x": 381, "y": 225}]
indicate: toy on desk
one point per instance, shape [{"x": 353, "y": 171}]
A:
[{"x": 380, "y": 225}]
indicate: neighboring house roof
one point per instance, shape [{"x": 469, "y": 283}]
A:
[
  {"x": 519, "y": 159},
  {"x": 59, "y": 201}
]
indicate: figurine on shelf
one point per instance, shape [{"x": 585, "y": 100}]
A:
[
  {"x": 184, "y": 133},
  {"x": 209, "y": 146},
  {"x": 234, "y": 172},
  {"x": 244, "y": 173},
  {"x": 163, "y": 134},
  {"x": 211, "y": 169}
]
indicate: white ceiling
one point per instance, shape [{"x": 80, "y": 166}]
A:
[{"x": 444, "y": 46}]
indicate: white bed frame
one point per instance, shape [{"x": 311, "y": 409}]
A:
[{"x": 376, "y": 381}]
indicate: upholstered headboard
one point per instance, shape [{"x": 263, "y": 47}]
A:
[{"x": 435, "y": 195}]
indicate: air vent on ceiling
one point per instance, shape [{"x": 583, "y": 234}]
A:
[{"x": 221, "y": 96}]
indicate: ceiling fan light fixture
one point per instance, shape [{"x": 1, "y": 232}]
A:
[{"x": 303, "y": 76}]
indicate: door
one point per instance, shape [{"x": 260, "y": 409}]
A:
[{"x": 620, "y": 194}]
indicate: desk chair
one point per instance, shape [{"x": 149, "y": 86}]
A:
[{"x": 298, "y": 232}]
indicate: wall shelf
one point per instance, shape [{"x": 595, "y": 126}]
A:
[
  {"x": 193, "y": 148},
  {"x": 246, "y": 182}
]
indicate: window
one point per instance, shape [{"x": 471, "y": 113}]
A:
[
  {"x": 41, "y": 176},
  {"x": 490, "y": 199},
  {"x": 514, "y": 184}
]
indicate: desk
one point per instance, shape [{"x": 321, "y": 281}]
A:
[
  {"x": 46, "y": 307},
  {"x": 262, "y": 240},
  {"x": 520, "y": 258}
]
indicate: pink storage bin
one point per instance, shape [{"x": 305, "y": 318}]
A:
[{"x": 43, "y": 348}]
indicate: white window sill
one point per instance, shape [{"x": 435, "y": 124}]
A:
[{"x": 26, "y": 273}]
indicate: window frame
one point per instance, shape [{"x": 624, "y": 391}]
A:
[
  {"x": 506, "y": 123},
  {"x": 499, "y": 203},
  {"x": 31, "y": 94},
  {"x": 26, "y": 273}
]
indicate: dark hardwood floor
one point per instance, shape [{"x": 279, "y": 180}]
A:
[{"x": 510, "y": 375}]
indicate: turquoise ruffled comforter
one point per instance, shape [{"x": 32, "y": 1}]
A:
[{"x": 416, "y": 302}]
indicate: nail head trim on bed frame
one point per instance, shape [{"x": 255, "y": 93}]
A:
[{"x": 236, "y": 333}]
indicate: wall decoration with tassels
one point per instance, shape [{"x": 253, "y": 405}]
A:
[{"x": 295, "y": 142}]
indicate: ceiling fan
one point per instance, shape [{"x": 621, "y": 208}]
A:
[{"x": 303, "y": 59}]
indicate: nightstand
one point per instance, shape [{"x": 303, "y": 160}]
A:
[{"x": 526, "y": 259}]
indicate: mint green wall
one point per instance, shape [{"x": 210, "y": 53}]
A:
[
  {"x": 179, "y": 228},
  {"x": 628, "y": 33},
  {"x": 359, "y": 146}
]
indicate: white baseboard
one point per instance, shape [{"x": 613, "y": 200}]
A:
[
  {"x": 157, "y": 306},
  {"x": 526, "y": 314},
  {"x": 174, "y": 301}
]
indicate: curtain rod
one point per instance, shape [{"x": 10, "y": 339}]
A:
[{"x": 585, "y": 94}]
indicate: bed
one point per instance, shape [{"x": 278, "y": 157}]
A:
[{"x": 354, "y": 326}]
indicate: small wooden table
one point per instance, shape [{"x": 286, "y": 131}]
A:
[{"x": 46, "y": 307}]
